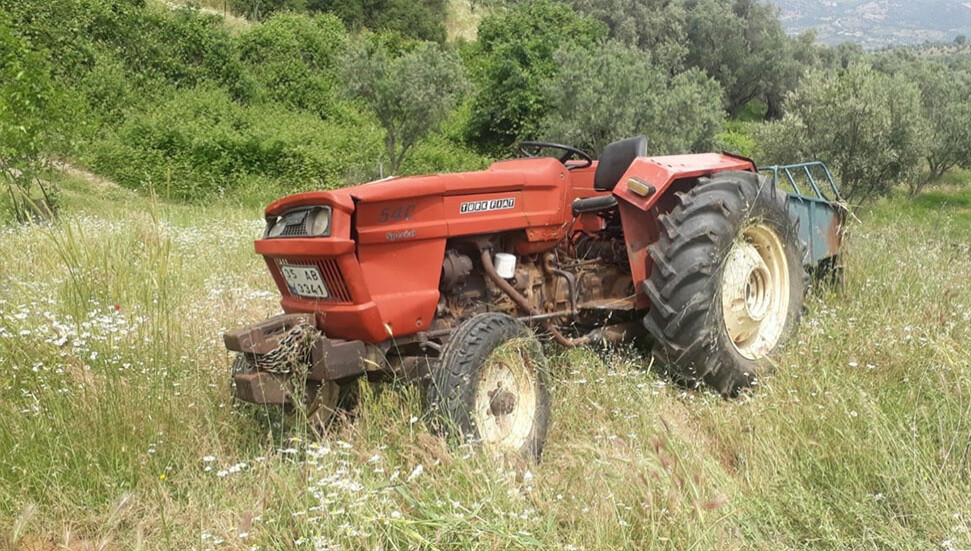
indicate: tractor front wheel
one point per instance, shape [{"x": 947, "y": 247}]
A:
[
  {"x": 727, "y": 283},
  {"x": 493, "y": 386}
]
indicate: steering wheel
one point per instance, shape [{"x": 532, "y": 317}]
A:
[{"x": 530, "y": 149}]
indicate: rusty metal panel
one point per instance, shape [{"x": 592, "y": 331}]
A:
[
  {"x": 263, "y": 337},
  {"x": 333, "y": 359},
  {"x": 261, "y": 387},
  {"x": 820, "y": 226}
]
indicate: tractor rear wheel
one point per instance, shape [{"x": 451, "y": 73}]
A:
[
  {"x": 493, "y": 386},
  {"x": 728, "y": 281}
]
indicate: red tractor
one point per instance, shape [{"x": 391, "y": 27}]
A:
[{"x": 442, "y": 277}]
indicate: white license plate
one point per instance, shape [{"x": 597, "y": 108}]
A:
[{"x": 304, "y": 281}]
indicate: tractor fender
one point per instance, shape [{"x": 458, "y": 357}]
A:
[{"x": 647, "y": 181}]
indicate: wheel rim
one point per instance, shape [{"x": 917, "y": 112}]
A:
[
  {"x": 755, "y": 291},
  {"x": 505, "y": 396}
]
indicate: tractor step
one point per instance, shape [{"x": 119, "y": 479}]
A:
[{"x": 610, "y": 304}]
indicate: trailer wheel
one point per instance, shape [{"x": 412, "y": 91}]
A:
[
  {"x": 493, "y": 386},
  {"x": 728, "y": 281}
]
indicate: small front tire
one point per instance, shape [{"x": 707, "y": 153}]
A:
[{"x": 492, "y": 386}]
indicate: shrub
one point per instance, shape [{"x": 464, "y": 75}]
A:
[
  {"x": 738, "y": 137},
  {"x": 421, "y": 19},
  {"x": 295, "y": 58},
  {"x": 199, "y": 142},
  {"x": 30, "y": 110}
]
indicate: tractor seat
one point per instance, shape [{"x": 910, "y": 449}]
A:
[
  {"x": 615, "y": 159},
  {"x": 614, "y": 162}
]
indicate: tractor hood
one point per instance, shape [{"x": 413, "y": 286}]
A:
[{"x": 517, "y": 174}]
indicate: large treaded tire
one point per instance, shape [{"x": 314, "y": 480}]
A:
[
  {"x": 686, "y": 316},
  {"x": 453, "y": 391}
]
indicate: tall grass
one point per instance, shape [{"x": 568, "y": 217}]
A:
[{"x": 117, "y": 430}]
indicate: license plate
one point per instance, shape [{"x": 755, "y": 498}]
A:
[{"x": 304, "y": 281}]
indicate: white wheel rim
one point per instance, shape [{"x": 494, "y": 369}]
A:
[
  {"x": 505, "y": 397},
  {"x": 755, "y": 291}
]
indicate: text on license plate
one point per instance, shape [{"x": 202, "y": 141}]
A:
[{"x": 304, "y": 281}]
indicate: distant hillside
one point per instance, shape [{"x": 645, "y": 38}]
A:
[{"x": 876, "y": 23}]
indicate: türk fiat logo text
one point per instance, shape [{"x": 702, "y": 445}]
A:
[{"x": 484, "y": 206}]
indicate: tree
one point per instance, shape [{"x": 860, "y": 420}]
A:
[
  {"x": 945, "y": 103},
  {"x": 30, "y": 103},
  {"x": 410, "y": 94},
  {"x": 655, "y": 26},
  {"x": 867, "y": 126},
  {"x": 742, "y": 45},
  {"x": 510, "y": 63},
  {"x": 615, "y": 91}
]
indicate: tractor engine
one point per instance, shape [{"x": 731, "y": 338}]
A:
[{"x": 591, "y": 272}]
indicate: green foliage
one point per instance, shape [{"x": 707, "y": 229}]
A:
[
  {"x": 739, "y": 138},
  {"x": 742, "y": 45},
  {"x": 421, "y": 19},
  {"x": 944, "y": 100},
  {"x": 262, "y": 9},
  {"x": 946, "y": 106},
  {"x": 614, "y": 91},
  {"x": 511, "y": 63},
  {"x": 865, "y": 125},
  {"x": 199, "y": 142},
  {"x": 295, "y": 59},
  {"x": 30, "y": 110},
  {"x": 655, "y": 26},
  {"x": 411, "y": 95}
]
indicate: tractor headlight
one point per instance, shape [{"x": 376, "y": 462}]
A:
[
  {"x": 319, "y": 225},
  {"x": 276, "y": 228}
]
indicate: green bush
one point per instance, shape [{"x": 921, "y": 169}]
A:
[
  {"x": 294, "y": 58},
  {"x": 512, "y": 61},
  {"x": 421, "y": 19},
  {"x": 31, "y": 109},
  {"x": 438, "y": 154},
  {"x": 738, "y": 137},
  {"x": 261, "y": 9},
  {"x": 200, "y": 142}
]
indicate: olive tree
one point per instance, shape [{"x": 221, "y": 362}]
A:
[
  {"x": 411, "y": 94},
  {"x": 865, "y": 125},
  {"x": 742, "y": 45},
  {"x": 945, "y": 100},
  {"x": 656, "y": 26},
  {"x": 615, "y": 91}
]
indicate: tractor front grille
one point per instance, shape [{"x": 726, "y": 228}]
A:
[{"x": 330, "y": 271}]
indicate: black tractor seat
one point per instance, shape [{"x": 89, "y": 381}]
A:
[{"x": 614, "y": 162}]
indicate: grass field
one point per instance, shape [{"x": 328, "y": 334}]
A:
[{"x": 117, "y": 430}]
